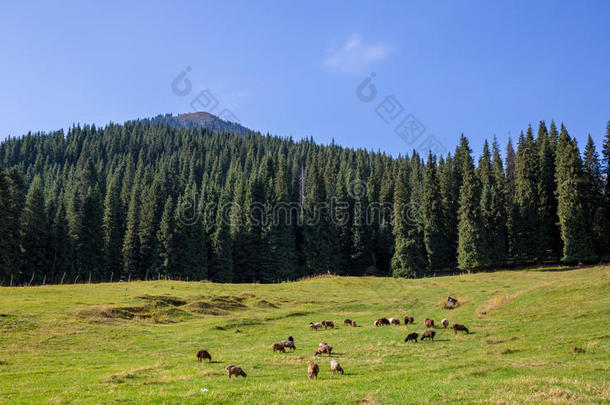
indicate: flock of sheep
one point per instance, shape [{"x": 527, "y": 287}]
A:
[{"x": 325, "y": 348}]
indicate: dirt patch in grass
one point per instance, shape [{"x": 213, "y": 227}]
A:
[
  {"x": 495, "y": 303},
  {"x": 494, "y": 341}
]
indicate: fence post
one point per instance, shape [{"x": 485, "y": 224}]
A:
[
  {"x": 76, "y": 279},
  {"x": 89, "y": 277},
  {"x": 44, "y": 280},
  {"x": 11, "y": 279},
  {"x": 111, "y": 275},
  {"x": 32, "y": 279},
  {"x": 146, "y": 276},
  {"x": 129, "y": 279},
  {"x": 62, "y": 278}
]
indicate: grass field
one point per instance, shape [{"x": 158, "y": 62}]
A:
[{"x": 123, "y": 343}]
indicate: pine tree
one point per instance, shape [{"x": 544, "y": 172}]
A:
[
  {"x": 471, "y": 243},
  {"x": 168, "y": 257},
  {"x": 113, "y": 228},
  {"x": 495, "y": 217},
  {"x": 606, "y": 200},
  {"x": 593, "y": 189},
  {"x": 34, "y": 241},
  {"x": 435, "y": 237},
  {"x": 131, "y": 242},
  {"x": 572, "y": 205},
  {"x": 525, "y": 214},
  {"x": 548, "y": 231}
]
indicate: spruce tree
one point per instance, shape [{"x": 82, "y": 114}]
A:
[
  {"x": 572, "y": 205},
  {"x": 435, "y": 236},
  {"x": 34, "y": 241},
  {"x": 113, "y": 228},
  {"x": 472, "y": 254}
]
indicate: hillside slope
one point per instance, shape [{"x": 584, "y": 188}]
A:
[{"x": 136, "y": 342}]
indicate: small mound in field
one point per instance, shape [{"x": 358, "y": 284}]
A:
[
  {"x": 163, "y": 300},
  {"x": 228, "y": 303},
  {"x": 204, "y": 308},
  {"x": 117, "y": 312},
  {"x": 266, "y": 304}
]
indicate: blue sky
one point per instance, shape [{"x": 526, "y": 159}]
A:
[{"x": 288, "y": 68}]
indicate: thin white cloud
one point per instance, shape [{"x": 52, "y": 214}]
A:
[{"x": 356, "y": 56}]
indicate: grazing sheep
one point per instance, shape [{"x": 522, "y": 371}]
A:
[
  {"x": 445, "y": 323},
  {"x": 429, "y": 334},
  {"x": 408, "y": 319},
  {"x": 457, "y": 326},
  {"x": 412, "y": 337},
  {"x": 278, "y": 347},
  {"x": 234, "y": 370},
  {"x": 429, "y": 323},
  {"x": 322, "y": 344},
  {"x": 323, "y": 349},
  {"x": 202, "y": 355},
  {"x": 394, "y": 321},
  {"x": 336, "y": 367},
  {"x": 289, "y": 344},
  {"x": 314, "y": 326},
  {"x": 313, "y": 371},
  {"x": 328, "y": 324},
  {"x": 349, "y": 322},
  {"x": 382, "y": 321}
]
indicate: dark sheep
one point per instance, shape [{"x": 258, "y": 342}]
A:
[
  {"x": 289, "y": 344},
  {"x": 328, "y": 324},
  {"x": 408, "y": 320},
  {"x": 202, "y": 355},
  {"x": 429, "y": 334},
  {"x": 429, "y": 323},
  {"x": 412, "y": 337},
  {"x": 457, "y": 326},
  {"x": 349, "y": 322}
]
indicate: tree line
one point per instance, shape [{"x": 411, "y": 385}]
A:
[{"x": 144, "y": 200}]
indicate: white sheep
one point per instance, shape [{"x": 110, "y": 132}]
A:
[
  {"x": 336, "y": 367},
  {"x": 445, "y": 323}
]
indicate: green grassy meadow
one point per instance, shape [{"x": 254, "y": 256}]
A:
[{"x": 136, "y": 342}]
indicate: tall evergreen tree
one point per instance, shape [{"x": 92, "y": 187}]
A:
[
  {"x": 435, "y": 237},
  {"x": 472, "y": 254},
  {"x": 572, "y": 206}
]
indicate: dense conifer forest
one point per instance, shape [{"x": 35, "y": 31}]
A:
[{"x": 146, "y": 200}]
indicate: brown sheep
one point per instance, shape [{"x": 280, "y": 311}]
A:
[
  {"x": 336, "y": 367},
  {"x": 457, "y": 326},
  {"x": 408, "y": 319},
  {"x": 313, "y": 371},
  {"x": 394, "y": 321},
  {"x": 412, "y": 337},
  {"x": 235, "y": 370},
  {"x": 349, "y": 322},
  {"x": 445, "y": 323},
  {"x": 202, "y": 355},
  {"x": 278, "y": 347},
  {"x": 328, "y": 324},
  {"x": 429, "y": 334},
  {"x": 429, "y": 323},
  {"x": 382, "y": 321},
  {"x": 323, "y": 349}
]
